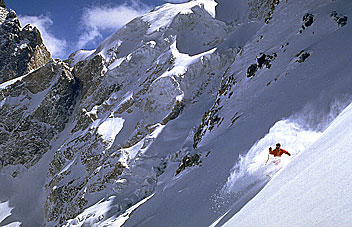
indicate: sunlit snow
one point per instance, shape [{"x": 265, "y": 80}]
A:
[
  {"x": 94, "y": 212},
  {"x": 80, "y": 55},
  {"x": 165, "y": 14},
  {"x": 10, "y": 82},
  {"x": 293, "y": 138},
  {"x": 142, "y": 146},
  {"x": 2, "y": 103},
  {"x": 183, "y": 61},
  {"x": 125, "y": 216},
  {"x": 314, "y": 188},
  {"x": 5, "y": 210},
  {"x": 110, "y": 128}
]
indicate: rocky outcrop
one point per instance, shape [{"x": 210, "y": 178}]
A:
[
  {"x": 34, "y": 109},
  {"x": 33, "y": 104},
  {"x": 2, "y": 4},
  {"x": 133, "y": 76},
  {"x": 308, "y": 19},
  {"x": 263, "y": 9},
  {"x": 3, "y": 11},
  {"x": 188, "y": 161},
  {"x": 263, "y": 60},
  {"x": 302, "y": 56},
  {"x": 340, "y": 19},
  {"x": 21, "y": 49}
]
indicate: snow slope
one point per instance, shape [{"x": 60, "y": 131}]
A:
[
  {"x": 257, "y": 163},
  {"x": 246, "y": 109},
  {"x": 314, "y": 189},
  {"x": 179, "y": 83},
  {"x": 5, "y": 210}
]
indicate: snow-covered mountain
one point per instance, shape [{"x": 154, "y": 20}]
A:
[{"x": 168, "y": 122}]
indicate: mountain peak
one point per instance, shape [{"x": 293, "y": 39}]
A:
[
  {"x": 2, "y": 4},
  {"x": 21, "y": 49}
]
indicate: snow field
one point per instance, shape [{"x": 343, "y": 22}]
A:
[
  {"x": 130, "y": 153},
  {"x": 295, "y": 134},
  {"x": 183, "y": 61},
  {"x": 314, "y": 189},
  {"x": 10, "y": 82},
  {"x": 292, "y": 137},
  {"x": 94, "y": 214},
  {"x": 163, "y": 16},
  {"x": 110, "y": 128},
  {"x": 5, "y": 210}
]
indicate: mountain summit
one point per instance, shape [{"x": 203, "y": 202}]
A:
[
  {"x": 169, "y": 120},
  {"x": 2, "y": 4},
  {"x": 21, "y": 49}
]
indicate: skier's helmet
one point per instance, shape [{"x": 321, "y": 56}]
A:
[{"x": 278, "y": 145}]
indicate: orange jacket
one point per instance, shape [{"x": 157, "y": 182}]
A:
[{"x": 278, "y": 152}]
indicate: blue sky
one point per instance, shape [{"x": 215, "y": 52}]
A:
[{"x": 68, "y": 25}]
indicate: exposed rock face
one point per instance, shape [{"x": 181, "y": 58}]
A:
[
  {"x": 263, "y": 9},
  {"x": 188, "y": 161},
  {"x": 21, "y": 49},
  {"x": 33, "y": 106},
  {"x": 2, "y": 4},
  {"x": 33, "y": 111},
  {"x": 340, "y": 19},
  {"x": 131, "y": 76},
  {"x": 308, "y": 19}
]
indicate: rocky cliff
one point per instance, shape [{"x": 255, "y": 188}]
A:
[{"x": 21, "y": 49}]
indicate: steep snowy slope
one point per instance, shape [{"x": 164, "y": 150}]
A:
[
  {"x": 125, "y": 93},
  {"x": 281, "y": 71},
  {"x": 167, "y": 122},
  {"x": 314, "y": 189}
]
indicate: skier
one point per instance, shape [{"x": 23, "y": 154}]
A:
[{"x": 277, "y": 152}]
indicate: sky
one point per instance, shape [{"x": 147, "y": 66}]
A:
[{"x": 67, "y": 25}]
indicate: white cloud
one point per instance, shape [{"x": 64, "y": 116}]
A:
[
  {"x": 55, "y": 45},
  {"x": 96, "y": 20}
]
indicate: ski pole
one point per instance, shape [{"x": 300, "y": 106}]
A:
[{"x": 267, "y": 160}]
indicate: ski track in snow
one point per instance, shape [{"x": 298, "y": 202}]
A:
[
  {"x": 296, "y": 135},
  {"x": 313, "y": 189},
  {"x": 293, "y": 138}
]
